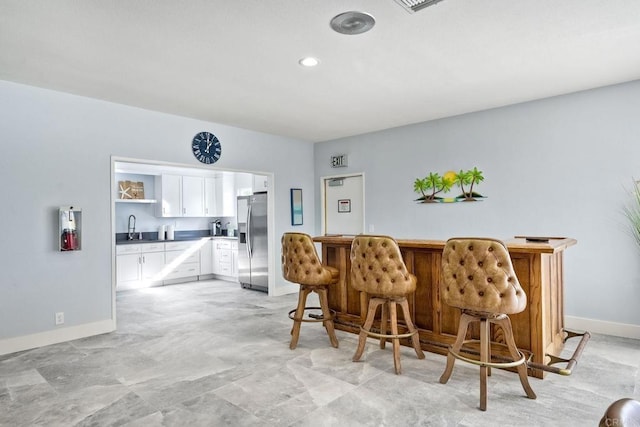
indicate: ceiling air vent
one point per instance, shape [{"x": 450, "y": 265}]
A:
[{"x": 412, "y": 6}]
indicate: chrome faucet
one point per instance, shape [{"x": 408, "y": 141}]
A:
[{"x": 132, "y": 227}]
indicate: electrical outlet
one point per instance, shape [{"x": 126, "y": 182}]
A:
[
  {"x": 60, "y": 318},
  {"x": 371, "y": 228}
]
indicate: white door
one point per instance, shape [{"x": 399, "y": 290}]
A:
[{"x": 343, "y": 205}]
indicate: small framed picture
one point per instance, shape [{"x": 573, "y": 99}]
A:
[
  {"x": 296, "y": 206},
  {"x": 344, "y": 205}
]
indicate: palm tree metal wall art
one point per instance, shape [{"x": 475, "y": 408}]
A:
[{"x": 433, "y": 186}]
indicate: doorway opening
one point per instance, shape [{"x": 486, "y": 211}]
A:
[
  {"x": 149, "y": 220},
  {"x": 343, "y": 204}
]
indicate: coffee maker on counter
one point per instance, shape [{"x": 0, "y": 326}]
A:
[{"x": 216, "y": 228}]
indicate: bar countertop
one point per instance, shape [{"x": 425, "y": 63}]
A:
[{"x": 517, "y": 244}]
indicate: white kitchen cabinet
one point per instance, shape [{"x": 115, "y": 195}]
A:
[
  {"x": 206, "y": 258},
  {"x": 225, "y": 195},
  {"x": 152, "y": 263},
  {"x": 182, "y": 259},
  {"x": 169, "y": 195},
  {"x": 222, "y": 257},
  {"x": 234, "y": 259},
  {"x": 127, "y": 270},
  {"x": 260, "y": 183},
  {"x": 244, "y": 184},
  {"x": 209, "y": 197},
  {"x": 179, "y": 196},
  {"x": 193, "y": 196},
  {"x": 139, "y": 265}
]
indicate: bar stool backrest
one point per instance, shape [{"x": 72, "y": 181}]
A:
[
  {"x": 300, "y": 261},
  {"x": 377, "y": 267},
  {"x": 477, "y": 274}
]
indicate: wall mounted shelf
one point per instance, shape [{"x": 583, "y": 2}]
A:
[{"x": 136, "y": 201}]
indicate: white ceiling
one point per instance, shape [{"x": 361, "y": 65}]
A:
[{"x": 236, "y": 62}]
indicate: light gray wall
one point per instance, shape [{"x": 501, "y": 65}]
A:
[
  {"x": 56, "y": 150},
  {"x": 561, "y": 166}
]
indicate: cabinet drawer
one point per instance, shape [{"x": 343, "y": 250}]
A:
[
  {"x": 224, "y": 256},
  {"x": 222, "y": 244},
  {"x": 183, "y": 270},
  {"x": 181, "y": 246},
  {"x": 152, "y": 247},
  {"x": 224, "y": 269},
  {"x": 127, "y": 249},
  {"x": 171, "y": 256}
]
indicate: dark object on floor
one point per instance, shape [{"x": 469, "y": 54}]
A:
[{"x": 622, "y": 413}]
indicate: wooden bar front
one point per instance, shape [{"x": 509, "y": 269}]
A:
[{"x": 539, "y": 266}]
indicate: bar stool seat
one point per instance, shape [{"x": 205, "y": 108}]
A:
[{"x": 301, "y": 264}]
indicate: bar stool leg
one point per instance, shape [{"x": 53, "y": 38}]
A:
[
  {"x": 384, "y": 319},
  {"x": 393, "y": 314},
  {"x": 484, "y": 357},
  {"x": 297, "y": 317},
  {"x": 415, "y": 339},
  {"x": 362, "y": 340},
  {"x": 465, "y": 319},
  {"x": 505, "y": 324},
  {"x": 326, "y": 314}
]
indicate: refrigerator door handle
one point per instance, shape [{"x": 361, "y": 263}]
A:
[{"x": 249, "y": 249}]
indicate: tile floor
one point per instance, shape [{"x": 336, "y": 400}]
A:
[{"x": 212, "y": 354}]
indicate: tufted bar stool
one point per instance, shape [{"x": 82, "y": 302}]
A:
[
  {"x": 478, "y": 278},
  {"x": 377, "y": 268},
  {"x": 300, "y": 264}
]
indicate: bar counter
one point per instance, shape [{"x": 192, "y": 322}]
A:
[{"x": 538, "y": 330}]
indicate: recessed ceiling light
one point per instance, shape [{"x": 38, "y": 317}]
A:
[{"x": 309, "y": 61}]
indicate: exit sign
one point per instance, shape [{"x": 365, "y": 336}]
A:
[{"x": 339, "y": 161}]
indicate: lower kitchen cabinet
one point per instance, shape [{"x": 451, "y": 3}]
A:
[
  {"x": 138, "y": 265},
  {"x": 206, "y": 258},
  {"x": 182, "y": 259},
  {"x": 152, "y": 265},
  {"x": 149, "y": 264},
  {"x": 225, "y": 258}
]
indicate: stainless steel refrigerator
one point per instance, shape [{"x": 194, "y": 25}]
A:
[{"x": 252, "y": 242}]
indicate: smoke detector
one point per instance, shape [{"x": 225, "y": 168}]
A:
[
  {"x": 352, "y": 23},
  {"x": 412, "y": 6}
]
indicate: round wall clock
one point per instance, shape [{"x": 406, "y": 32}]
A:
[{"x": 206, "y": 147}]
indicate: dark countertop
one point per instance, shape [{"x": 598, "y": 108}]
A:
[{"x": 180, "y": 236}]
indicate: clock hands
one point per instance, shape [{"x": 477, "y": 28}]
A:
[{"x": 206, "y": 150}]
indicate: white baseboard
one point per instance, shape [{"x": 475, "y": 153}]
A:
[
  {"x": 625, "y": 330},
  {"x": 55, "y": 336}
]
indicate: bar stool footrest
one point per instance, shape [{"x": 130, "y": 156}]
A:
[
  {"x": 312, "y": 317},
  {"x": 511, "y": 364}
]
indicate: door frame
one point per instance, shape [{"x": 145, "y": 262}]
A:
[{"x": 323, "y": 199}]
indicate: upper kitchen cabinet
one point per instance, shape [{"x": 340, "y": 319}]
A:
[
  {"x": 260, "y": 183},
  {"x": 192, "y": 196},
  {"x": 169, "y": 195},
  {"x": 210, "y": 197},
  {"x": 225, "y": 194},
  {"x": 244, "y": 184},
  {"x": 179, "y": 196}
]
